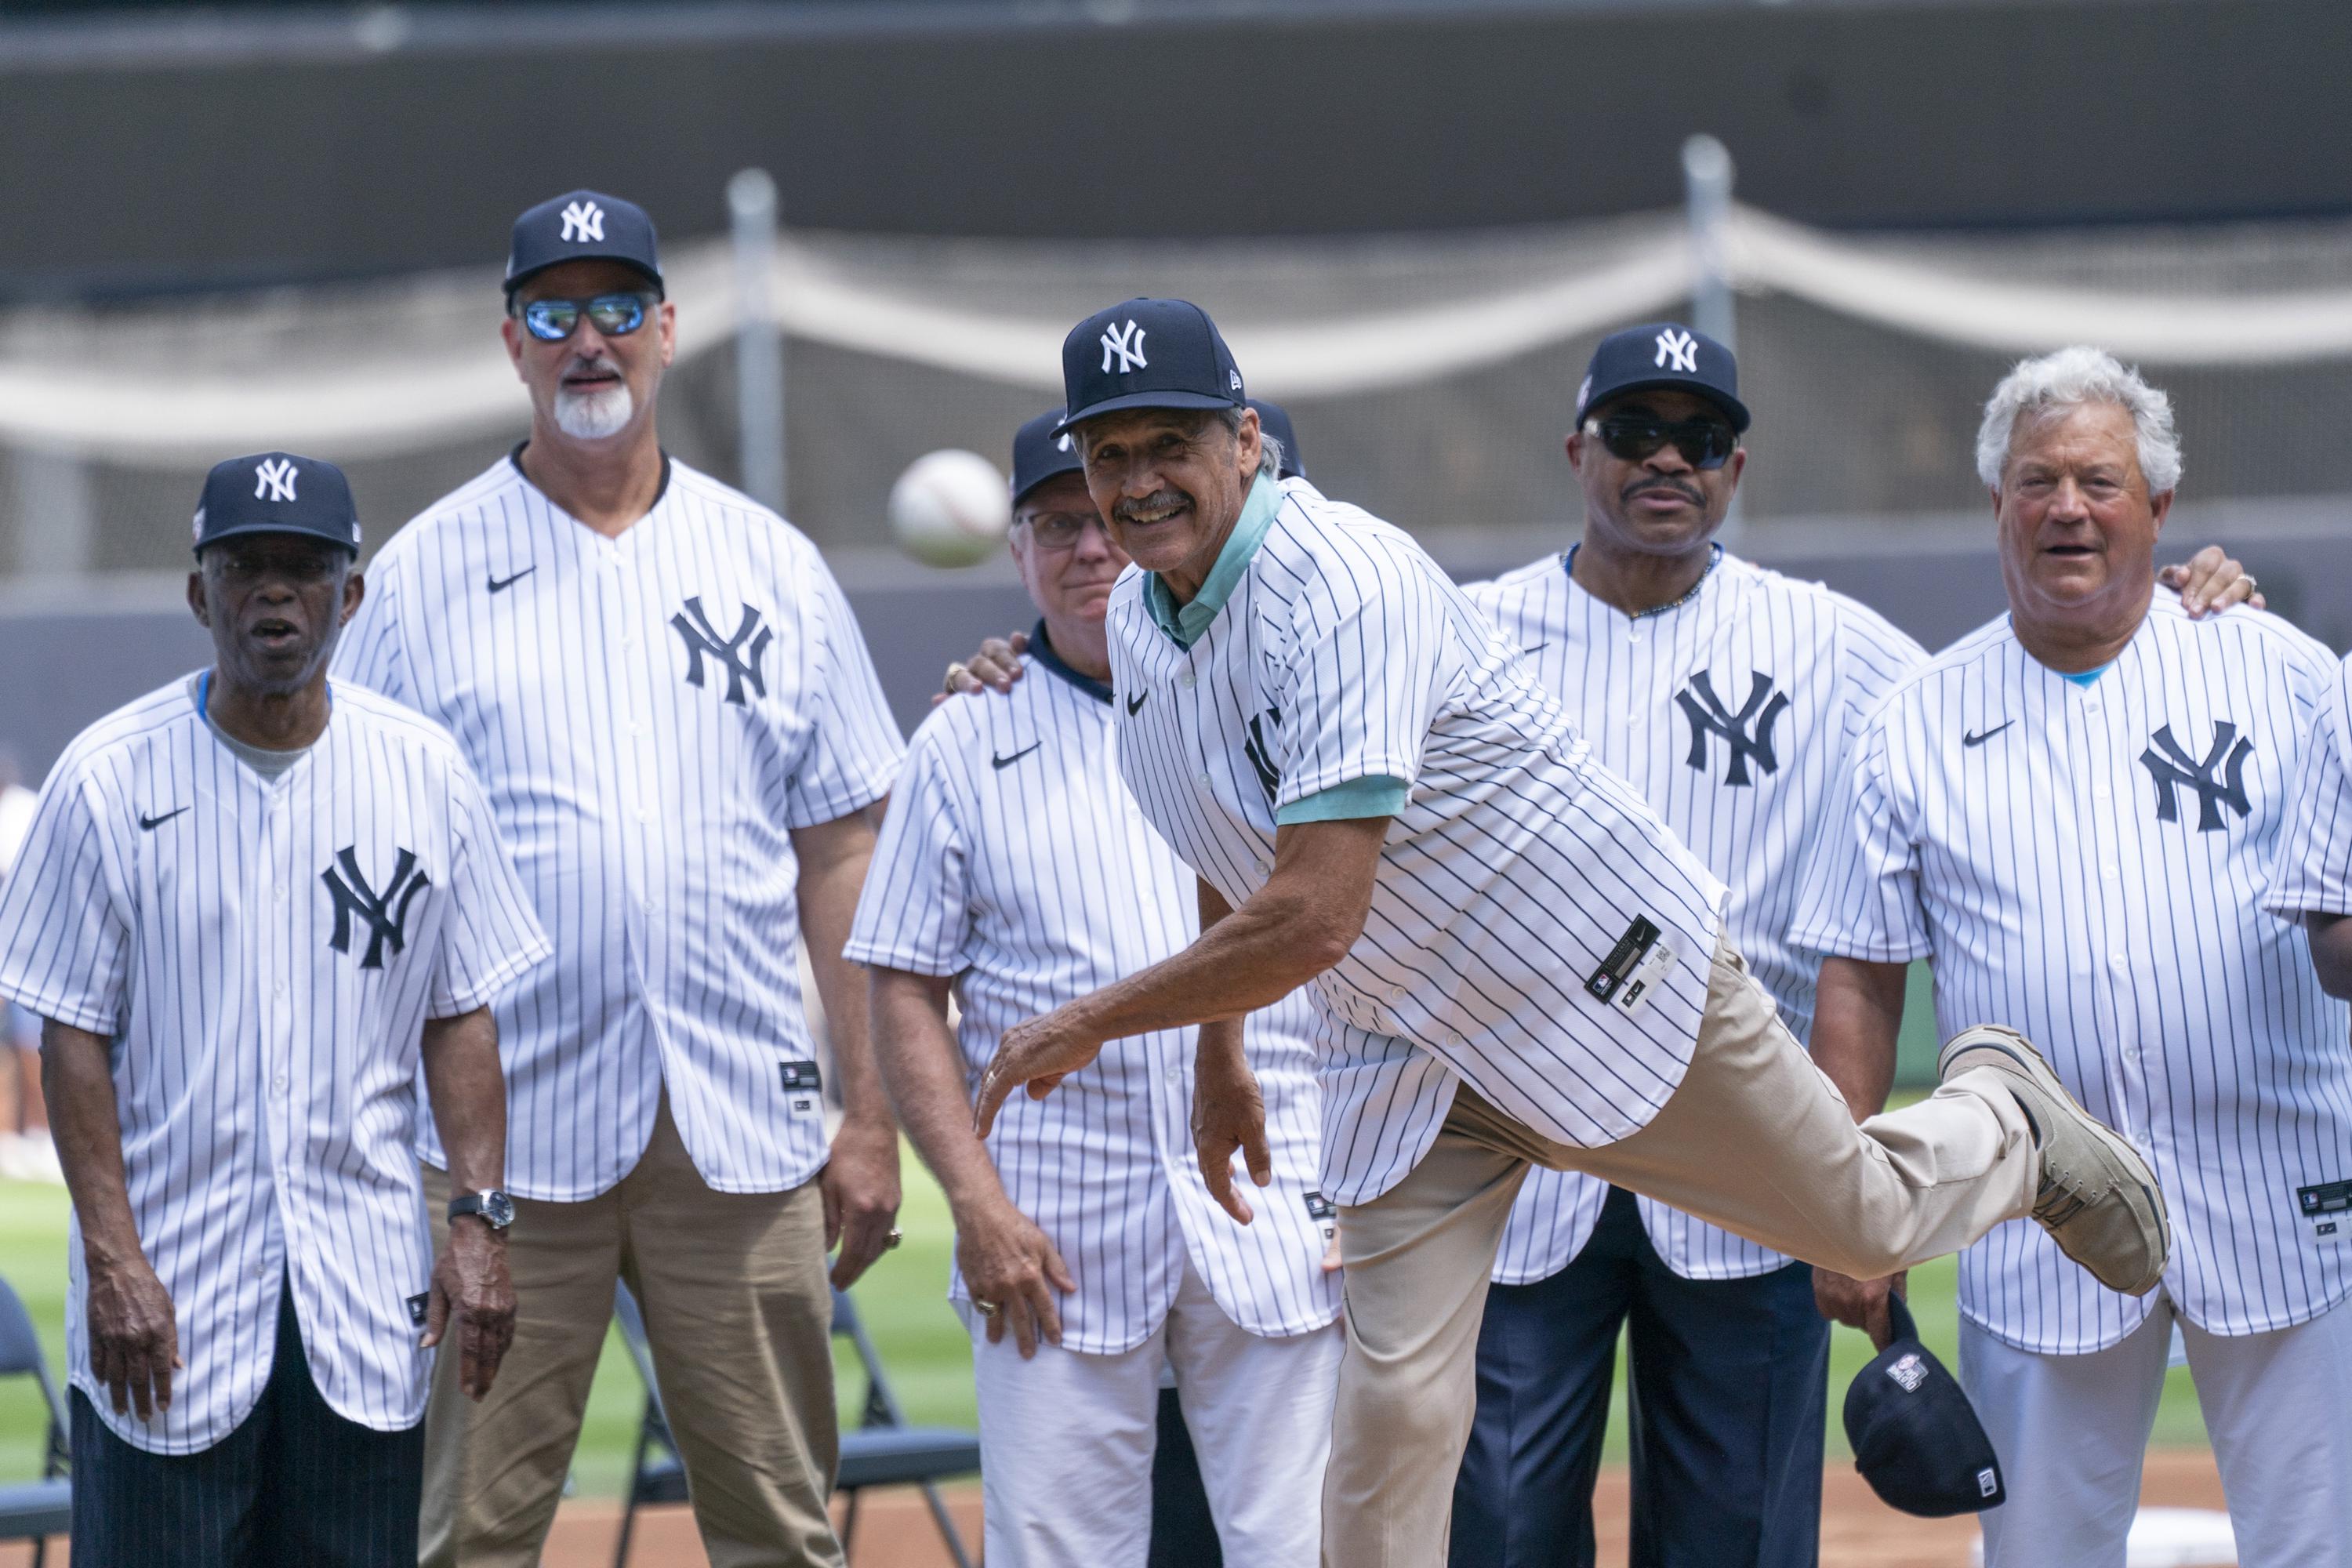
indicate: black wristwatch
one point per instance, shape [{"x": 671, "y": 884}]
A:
[{"x": 496, "y": 1208}]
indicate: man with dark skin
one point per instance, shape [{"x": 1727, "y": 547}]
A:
[{"x": 176, "y": 1191}]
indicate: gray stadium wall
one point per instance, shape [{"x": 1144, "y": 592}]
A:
[
  {"x": 204, "y": 149},
  {"x": 68, "y": 657}
]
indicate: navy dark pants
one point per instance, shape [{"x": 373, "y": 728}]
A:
[
  {"x": 294, "y": 1485},
  {"x": 1728, "y": 1388},
  {"x": 1184, "y": 1531}
]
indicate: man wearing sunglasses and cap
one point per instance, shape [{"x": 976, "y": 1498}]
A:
[
  {"x": 1016, "y": 872},
  {"x": 264, "y": 918},
  {"x": 681, "y": 733},
  {"x": 1516, "y": 962},
  {"x": 1726, "y": 693}
]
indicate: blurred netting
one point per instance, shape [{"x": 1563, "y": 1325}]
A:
[{"x": 1853, "y": 418}]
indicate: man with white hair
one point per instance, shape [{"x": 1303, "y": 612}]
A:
[
  {"x": 2072, "y": 813},
  {"x": 668, "y": 700}
]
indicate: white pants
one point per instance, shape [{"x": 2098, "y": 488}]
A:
[
  {"x": 1066, "y": 1441},
  {"x": 2071, "y": 1431}
]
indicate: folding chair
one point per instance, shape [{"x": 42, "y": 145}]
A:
[
  {"x": 34, "y": 1511},
  {"x": 882, "y": 1451}
]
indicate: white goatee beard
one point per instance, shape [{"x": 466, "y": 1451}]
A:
[{"x": 593, "y": 415}]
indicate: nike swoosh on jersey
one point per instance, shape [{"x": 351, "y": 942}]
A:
[
  {"x": 1135, "y": 702},
  {"x": 150, "y": 823},
  {"x": 1004, "y": 762},
  {"x": 500, "y": 585},
  {"x": 1969, "y": 739}
]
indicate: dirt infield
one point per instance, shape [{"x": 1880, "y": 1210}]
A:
[{"x": 896, "y": 1532}]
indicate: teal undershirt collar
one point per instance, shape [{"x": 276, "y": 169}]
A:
[
  {"x": 1184, "y": 625},
  {"x": 2088, "y": 675}
]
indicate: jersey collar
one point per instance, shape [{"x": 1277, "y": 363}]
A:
[
  {"x": 1042, "y": 647},
  {"x": 1714, "y": 560},
  {"x": 1185, "y": 625}
]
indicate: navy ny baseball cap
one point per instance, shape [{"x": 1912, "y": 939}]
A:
[
  {"x": 1040, "y": 451},
  {"x": 278, "y": 492},
  {"x": 1916, "y": 1439},
  {"x": 1147, "y": 354},
  {"x": 582, "y": 226},
  {"x": 1275, "y": 420},
  {"x": 1663, "y": 354}
]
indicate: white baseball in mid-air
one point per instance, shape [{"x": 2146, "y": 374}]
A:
[{"x": 950, "y": 508}]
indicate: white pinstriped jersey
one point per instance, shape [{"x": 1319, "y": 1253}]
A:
[
  {"x": 1015, "y": 859},
  {"x": 2312, "y": 871},
  {"x": 1730, "y": 710},
  {"x": 264, "y": 955},
  {"x": 1518, "y": 871},
  {"x": 652, "y": 716},
  {"x": 2085, "y": 864}
]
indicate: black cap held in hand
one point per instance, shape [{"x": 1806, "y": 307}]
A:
[
  {"x": 278, "y": 492},
  {"x": 1916, "y": 1439},
  {"x": 1147, "y": 354},
  {"x": 582, "y": 225},
  {"x": 1662, "y": 355},
  {"x": 1275, "y": 420}
]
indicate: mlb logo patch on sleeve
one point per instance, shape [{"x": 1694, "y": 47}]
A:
[{"x": 804, "y": 1088}]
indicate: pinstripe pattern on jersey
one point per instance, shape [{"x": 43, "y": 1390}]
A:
[
  {"x": 2313, "y": 871},
  {"x": 651, "y": 817},
  {"x": 1344, "y": 652},
  {"x": 1627, "y": 681},
  {"x": 1034, "y": 882},
  {"x": 2037, "y": 871},
  {"x": 266, "y": 1083}
]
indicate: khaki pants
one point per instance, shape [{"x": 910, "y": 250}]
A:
[
  {"x": 739, "y": 1316},
  {"x": 1756, "y": 1139}
]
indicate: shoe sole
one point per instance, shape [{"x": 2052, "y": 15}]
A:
[{"x": 2026, "y": 1062}]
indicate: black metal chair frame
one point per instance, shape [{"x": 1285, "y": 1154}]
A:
[
  {"x": 20, "y": 1356},
  {"x": 660, "y": 1478}
]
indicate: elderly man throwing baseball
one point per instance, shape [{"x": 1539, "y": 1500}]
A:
[{"x": 1517, "y": 965}]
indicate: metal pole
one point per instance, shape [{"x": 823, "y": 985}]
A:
[
  {"x": 758, "y": 346},
  {"x": 1706, "y": 185}
]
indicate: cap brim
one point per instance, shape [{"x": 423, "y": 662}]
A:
[
  {"x": 631, "y": 262},
  {"x": 244, "y": 530},
  {"x": 1143, "y": 400},
  {"x": 1730, "y": 406}
]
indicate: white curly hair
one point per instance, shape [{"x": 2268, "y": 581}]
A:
[{"x": 2070, "y": 377}]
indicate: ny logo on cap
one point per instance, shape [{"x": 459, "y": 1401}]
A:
[
  {"x": 274, "y": 479},
  {"x": 1677, "y": 350},
  {"x": 583, "y": 221},
  {"x": 1128, "y": 344}
]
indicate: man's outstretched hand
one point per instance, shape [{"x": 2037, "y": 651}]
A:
[{"x": 1037, "y": 1053}]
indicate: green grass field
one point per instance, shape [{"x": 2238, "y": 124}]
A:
[{"x": 904, "y": 1300}]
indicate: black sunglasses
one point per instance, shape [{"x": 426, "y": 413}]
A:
[
  {"x": 615, "y": 316},
  {"x": 1704, "y": 443}
]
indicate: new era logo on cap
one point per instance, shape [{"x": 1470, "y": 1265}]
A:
[{"x": 1147, "y": 354}]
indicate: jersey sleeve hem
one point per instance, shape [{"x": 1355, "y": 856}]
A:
[
  {"x": 1838, "y": 944},
  {"x": 58, "y": 1009},
  {"x": 1373, "y": 794},
  {"x": 847, "y": 800},
  {"x": 491, "y": 985},
  {"x": 1399, "y": 771},
  {"x": 881, "y": 956}
]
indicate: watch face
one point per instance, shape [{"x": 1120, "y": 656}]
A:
[{"x": 498, "y": 1209}]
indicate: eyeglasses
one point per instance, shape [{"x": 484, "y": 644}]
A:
[
  {"x": 1704, "y": 443},
  {"x": 614, "y": 315},
  {"x": 1062, "y": 530}
]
